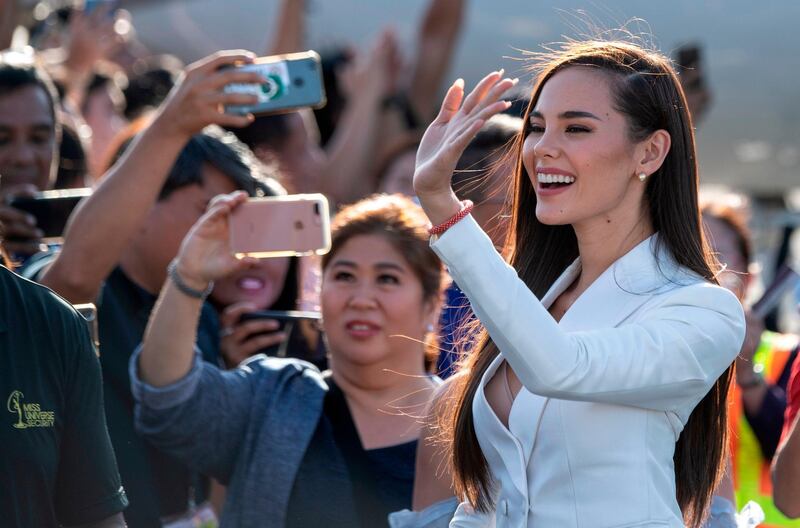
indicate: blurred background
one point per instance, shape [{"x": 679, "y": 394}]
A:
[
  {"x": 749, "y": 139},
  {"x": 743, "y": 52}
]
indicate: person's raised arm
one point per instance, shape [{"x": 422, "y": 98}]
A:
[
  {"x": 436, "y": 41},
  {"x": 288, "y": 29},
  {"x": 205, "y": 255},
  {"x": 664, "y": 361},
  {"x": 351, "y": 148},
  {"x": 103, "y": 224},
  {"x": 459, "y": 120},
  {"x": 92, "y": 38}
]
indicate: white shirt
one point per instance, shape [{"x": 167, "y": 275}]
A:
[{"x": 606, "y": 391}]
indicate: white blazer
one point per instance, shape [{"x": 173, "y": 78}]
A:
[{"x": 606, "y": 391}]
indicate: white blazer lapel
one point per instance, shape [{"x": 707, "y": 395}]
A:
[
  {"x": 497, "y": 443},
  {"x": 624, "y": 287}
]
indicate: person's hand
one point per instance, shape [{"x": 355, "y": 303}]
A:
[
  {"x": 444, "y": 141},
  {"x": 198, "y": 99},
  {"x": 20, "y": 236},
  {"x": 205, "y": 254},
  {"x": 240, "y": 340},
  {"x": 374, "y": 73},
  {"x": 92, "y": 37},
  {"x": 752, "y": 338}
]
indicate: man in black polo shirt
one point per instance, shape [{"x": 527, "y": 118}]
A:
[
  {"x": 119, "y": 242},
  {"x": 57, "y": 466}
]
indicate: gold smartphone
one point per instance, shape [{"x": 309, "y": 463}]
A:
[{"x": 281, "y": 226}]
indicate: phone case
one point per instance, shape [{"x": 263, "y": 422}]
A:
[
  {"x": 51, "y": 209},
  {"x": 291, "y": 81},
  {"x": 281, "y": 226}
]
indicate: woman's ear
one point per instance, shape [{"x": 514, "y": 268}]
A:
[
  {"x": 653, "y": 151},
  {"x": 431, "y": 310}
]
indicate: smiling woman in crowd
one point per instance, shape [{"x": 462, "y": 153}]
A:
[{"x": 597, "y": 394}]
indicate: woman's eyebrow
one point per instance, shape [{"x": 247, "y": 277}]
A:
[
  {"x": 569, "y": 114},
  {"x": 389, "y": 266}
]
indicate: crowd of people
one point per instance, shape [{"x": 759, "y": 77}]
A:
[{"x": 527, "y": 316}]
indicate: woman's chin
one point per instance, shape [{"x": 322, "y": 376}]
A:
[{"x": 552, "y": 217}]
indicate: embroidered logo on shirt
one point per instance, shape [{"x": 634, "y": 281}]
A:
[{"x": 28, "y": 414}]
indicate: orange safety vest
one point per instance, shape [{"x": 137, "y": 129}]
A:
[{"x": 751, "y": 472}]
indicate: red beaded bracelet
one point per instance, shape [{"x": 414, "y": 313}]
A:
[{"x": 466, "y": 208}]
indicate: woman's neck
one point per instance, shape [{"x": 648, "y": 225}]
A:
[
  {"x": 382, "y": 387},
  {"x": 603, "y": 241}
]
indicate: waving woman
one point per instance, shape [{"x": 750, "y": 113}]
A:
[{"x": 597, "y": 396}]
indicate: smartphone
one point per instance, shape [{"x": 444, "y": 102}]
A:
[
  {"x": 89, "y": 313},
  {"x": 785, "y": 280},
  {"x": 281, "y": 226},
  {"x": 282, "y": 316},
  {"x": 51, "y": 208},
  {"x": 290, "y": 81}
]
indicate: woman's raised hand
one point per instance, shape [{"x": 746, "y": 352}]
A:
[
  {"x": 205, "y": 253},
  {"x": 459, "y": 120}
]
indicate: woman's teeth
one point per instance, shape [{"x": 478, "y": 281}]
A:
[
  {"x": 554, "y": 178},
  {"x": 251, "y": 284}
]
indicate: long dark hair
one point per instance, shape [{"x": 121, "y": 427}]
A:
[{"x": 646, "y": 90}]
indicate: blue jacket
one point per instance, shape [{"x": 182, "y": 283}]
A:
[{"x": 248, "y": 428}]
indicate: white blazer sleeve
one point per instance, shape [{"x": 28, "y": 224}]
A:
[
  {"x": 466, "y": 517},
  {"x": 668, "y": 359}
]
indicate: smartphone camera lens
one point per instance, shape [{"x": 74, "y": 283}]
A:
[
  {"x": 299, "y": 82},
  {"x": 298, "y": 225},
  {"x": 316, "y": 208}
]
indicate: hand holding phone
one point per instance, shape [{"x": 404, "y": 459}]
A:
[
  {"x": 287, "y": 82},
  {"x": 50, "y": 209},
  {"x": 281, "y": 226},
  {"x": 19, "y": 234},
  {"x": 198, "y": 99},
  {"x": 243, "y": 335}
]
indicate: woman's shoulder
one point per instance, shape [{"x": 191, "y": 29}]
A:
[
  {"x": 273, "y": 370},
  {"x": 698, "y": 299}
]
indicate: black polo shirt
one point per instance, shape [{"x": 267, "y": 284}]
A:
[
  {"x": 157, "y": 485},
  {"x": 56, "y": 462}
]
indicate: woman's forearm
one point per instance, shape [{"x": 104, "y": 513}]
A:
[{"x": 168, "y": 345}]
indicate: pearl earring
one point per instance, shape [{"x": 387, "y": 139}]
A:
[
  {"x": 429, "y": 328},
  {"x": 642, "y": 176}
]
